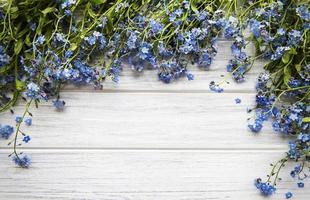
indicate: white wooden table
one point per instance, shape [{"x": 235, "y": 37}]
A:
[{"x": 145, "y": 140}]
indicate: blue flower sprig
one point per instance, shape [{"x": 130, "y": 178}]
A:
[{"x": 280, "y": 30}]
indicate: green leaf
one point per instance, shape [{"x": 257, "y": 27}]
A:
[
  {"x": 22, "y": 33},
  {"x": 287, "y": 75},
  {"x": 40, "y": 26},
  {"x": 210, "y": 9},
  {"x": 13, "y": 9},
  {"x": 184, "y": 17},
  {"x": 14, "y": 12},
  {"x": 306, "y": 119},
  {"x": 293, "y": 51},
  {"x": 99, "y": 1},
  {"x": 271, "y": 65},
  {"x": 91, "y": 13},
  {"x": 194, "y": 8},
  {"x": 48, "y": 10},
  {"x": 18, "y": 46},
  {"x": 4, "y": 69},
  {"x": 286, "y": 57},
  {"x": 298, "y": 67},
  {"x": 73, "y": 46},
  {"x": 28, "y": 41},
  {"x": 20, "y": 85}
]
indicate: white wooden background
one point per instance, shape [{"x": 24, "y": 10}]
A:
[{"x": 145, "y": 140}]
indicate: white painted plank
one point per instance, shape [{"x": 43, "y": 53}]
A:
[
  {"x": 143, "y": 175},
  {"x": 147, "y": 120}
]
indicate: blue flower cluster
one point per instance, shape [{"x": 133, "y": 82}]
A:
[
  {"x": 172, "y": 55},
  {"x": 165, "y": 37},
  {"x": 282, "y": 93},
  {"x": 278, "y": 38},
  {"x": 303, "y": 12},
  {"x": 23, "y": 161},
  {"x": 156, "y": 27},
  {"x": 237, "y": 66},
  {"x": 96, "y": 39},
  {"x": 6, "y": 131},
  {"x": 32, "y": 90},
  {"x": 266, "y": 189}
]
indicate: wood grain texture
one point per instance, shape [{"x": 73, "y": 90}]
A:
[
  {"x": 142, "y": 175},
  {"x": 149, "y": 120},
  {"x": 145, "y": 140}
]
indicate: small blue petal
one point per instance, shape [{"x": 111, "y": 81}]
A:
[
  {"x": 237, "y": 100},
  {"x": 28, "y": 121},
  {"x": 288, "y": 195}
]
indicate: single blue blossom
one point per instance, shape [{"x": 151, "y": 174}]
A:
[
  {"x": 281, "y": 31},
  {"x": 68, "y": 54},
  {"x": 60, "y": 38},
  {"x": 18, "y": 119},
  {"x": 91, "y": 40},
  {"x": 59, "y": 104},
  {"x": 237, "y": 100},
  {"x": 32, "y": 90},
  {"x": 179, "y": 12},
  {"x": 28, "y": 121},
  {"x": 288, "y": 195},
  {"x": 26, "y": 138},
  {"x": 68, "y": 3},
  {"x": 189, "y": 76},
  {"x": 32, "y": 26},
  {"x": 68, "y": 12},
  {"x": 300, "y": 184},
  {"x": 40, "y": 39},
  {"x": 256, "y": 126},
  {"x": 294, "y": 83}
]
